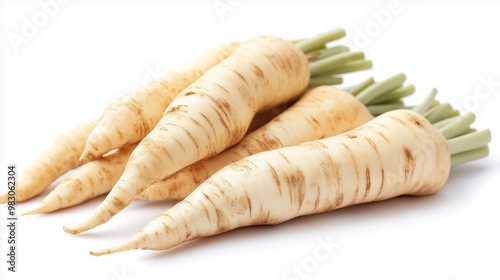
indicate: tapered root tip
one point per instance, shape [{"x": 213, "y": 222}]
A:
[
  {"x": 72, "y": 230},
  {"x": 88, "y": 156},
  {"x": 85, "y": 158},
  {"x": 120, "y": 248},
  {"x": 100, "y": 253},
  {"x": 33, "y": 212}
]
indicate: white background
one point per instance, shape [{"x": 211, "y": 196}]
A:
[{"x": 88, "y": 54}]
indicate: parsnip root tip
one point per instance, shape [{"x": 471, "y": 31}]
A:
[
  {"x": 120, "y": 248},
  {"x": 86, "y": 157},
  {"x": 99, "y": 253},
  {"x": 71, "y": 230},
  {"x": 32, "y": 212}
]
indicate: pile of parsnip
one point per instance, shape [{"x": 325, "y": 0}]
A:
[{"x": 253, "y": 133}]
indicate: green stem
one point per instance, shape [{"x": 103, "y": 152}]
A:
[
  {"x": 325, "y": 64},
  {"x": 375, "y": 90},
  {"x": 394, "y": 94},
  {"x": 325, "y": 80},
  {"x": 442, "y": 123},
  {"x": 440, "y": 113},
  {"x": 469, "y": 141},
  {"x": 471, "y": 155},
  {"x": 390, "y": 101},
  {"x": 427, "y": 103},
  {"x": 320, "y": 40},
  {"x": 376, "y": 110},
  {"x": 434, "y": 106},
  {"x": 454, "y": 113},
  {"x": 353, "y": 66},
  {"x": 356, "y": 89},
  {"x": 455, "y": 128},
  {"x": 295, "y": 41},
  {"x": 467, "y": 131},
  {"x": 320, "y": 54}
]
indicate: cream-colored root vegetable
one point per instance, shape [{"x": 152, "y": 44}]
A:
[
  {"x": 58, "y": 158},
  {"x": 134, "y": 115},
  {"x": 98, "y": 177},
  {"x": 322, "y": 112},
  {"x": 209, "y": 116},
  {"x": 398, "y": 153},
  {"x": 91, "y": 180}
]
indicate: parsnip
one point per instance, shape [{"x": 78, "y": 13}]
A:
[
  {"x": 397, "y": 153},
  {"x": 322, "y": 112}
]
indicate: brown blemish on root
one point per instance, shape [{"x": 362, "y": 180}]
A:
[
  {"x": 257, "y": 71},
  {"x": 222, "y": 104},
  {"x": 315, "y": 145},
  {"x": 277, "y": 141},
  {"x": 415, "y": 120},
  {"x": 222, "y": 121},
  {"x": 263, "y": 217},
  {"x": 368, "y": 182},
  {"x": 356, "y": 171},
  {"x": 275, "y": 176},
  {"x": 409, "y": 163},
  {"x": 208, "y": 198},
  {"x": 188, "y": 231},
  {"x": 241, "y": 76},
  {"x": 206, "y": 212},
  {"x": 382, "y": 135},
  {"x": 118, "y": 203},
  {"x": 77, "y": 184},
  {"x": 190, "y": 137},
  {"x": 120, "y": 134},
  {"x": 249, "y": 204},
  {"x": 351, "y": 136},
  {"x": 339, "y": 194},
  {"x": 372, "y": 144},
  {"x": 209, "y": 122},
  {"x": 426, "y": 189},
  {"x": 396, "y": 119},
  {"x": 221, "y": 87},
  {"x": 195, "y": 121},
  {"x": 298, "y": 184},
  {"x": 179, "y": 144},
  {"x": 381, "y": 184},
  {"x": 318, "y": 196},
  {"x": 222, "y": 223},
  {"x": 175, "y": 109},
  {"x": 59, "y": 198},
  {"x": 111, "y": 214},
  {"x": 265, "y": 142},
  {"x": 165, "y": 226},
  {"x": 315, "y": 121},
  {"x": 284, "y": 157}
]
